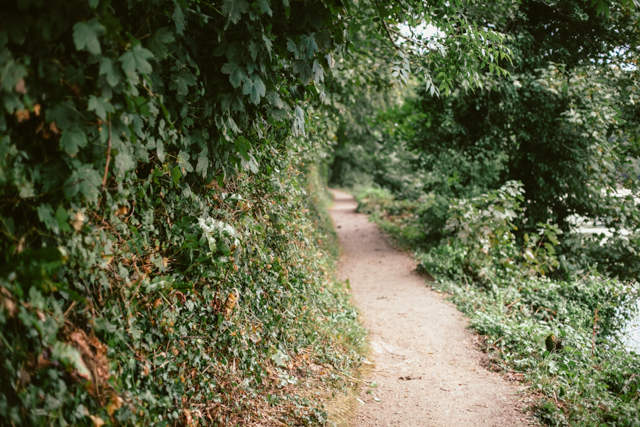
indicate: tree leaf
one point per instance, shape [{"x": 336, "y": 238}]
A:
[
  {"x": 85, "y": 36},
  {"x": 72, "y": 140},
  {"x": 46, "y": 215},
  {"x": 136, "y": 60},
  {"x": 242, "y": 145},
  {"x": 255, "y": 88},
  {"x": 302, "y": 69},
  {"x": 178, "y": 19},
  {"x": 318, "y": 72},
  {"x": 62, "y": 218},
  {"x": 264, "y": 7},
  {"x": 100, "y": 106},
  {"x": 237, "y": 75},
  {"x": 203, "y": 163},
  {"x": 109, "y": 71},
  {"x": 233, "y": 9},
  {"x": 181, "y": 81}
]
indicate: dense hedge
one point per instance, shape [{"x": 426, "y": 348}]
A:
[{"x": 159, "y": 263}]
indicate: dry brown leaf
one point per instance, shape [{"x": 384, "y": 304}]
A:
[
  {"x": 21, "y": 87},
  {"x": 22, "y": 115},
  {"x": 122, "y": 210},
  {"x": 7, "y": 302},
  {"x": 230, "y": 303},
  {"x": 54, "y": 129},
  {"x": 78, "y": 221},
  {"x": 97, "y": 421},
  {"x": 114, "y": 404},
  {"x": 94, "y": 356}
]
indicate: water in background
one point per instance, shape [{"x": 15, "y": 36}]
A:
[{"x": 631, "y": 335}]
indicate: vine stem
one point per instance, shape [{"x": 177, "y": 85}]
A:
[
  {"x": 106, "y": 167},
  {"x": 593, "y": 340}
]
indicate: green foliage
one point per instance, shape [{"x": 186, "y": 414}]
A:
[{"x": 373, "y": 200}]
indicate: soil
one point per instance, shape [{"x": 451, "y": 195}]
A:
[{"x": 426, "y": 368}]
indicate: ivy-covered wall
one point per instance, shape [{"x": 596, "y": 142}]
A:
[{"x": 159, "y": 259}]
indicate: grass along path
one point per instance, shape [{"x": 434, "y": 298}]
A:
[{"x": 427, "y": 371}]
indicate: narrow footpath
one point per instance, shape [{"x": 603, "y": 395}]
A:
[{"x": 426, "y": 370}]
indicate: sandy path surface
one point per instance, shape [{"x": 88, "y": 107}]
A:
[{"x": 427, "y": 371}]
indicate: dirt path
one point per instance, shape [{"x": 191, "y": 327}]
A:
[{"x": 426, "y": 372}]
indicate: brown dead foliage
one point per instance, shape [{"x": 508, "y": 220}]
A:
[{"x": 94, "y": 356}]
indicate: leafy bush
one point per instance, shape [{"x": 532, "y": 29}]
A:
[{"x": 373, "y": 200}]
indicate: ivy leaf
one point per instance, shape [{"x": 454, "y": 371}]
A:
[
  {"x": 264, "y": 7},
  {"x": 178, "y": 19},
  {"x": 70, "y": 357},
  {"x": 100, "y": 106},
  {"x": 309, "y": 45},
  {"x": 109, "y": 71},
  {"x": 62, "y": 218},
  {"x": 237, "y": 75},
  {"x": 183, "y": 162},
  {"x": 72, "y": 140},
  {"x": 268, "y": 43},
  {"x": 242, "y": 145},
  {"x": 124, "y": 160},
  {"x": 318, "y": 72},
  {"x": 85, "y": 36},
  {"x": 280, "y": 358},
  {"x": 176, "y": 175},
  {"x": 10, "y": 74},
  {"x": 254, "y": 48},
  {"x": 84, "y": 180},
  {"x": 274, "y": 99},
  {"x": 136, "y": 60},
  {"x": 158, "y": 45},
  {"x": 255, "y": 88},
  {"x": 223, "y": 247},
  {"x": 203, "y": 163},
  {"x": 182, "y": 81},
  {"x": 302, "y": 69},
  {"x": 46, "y": 215},
  {"x": 233, "y": 9}
]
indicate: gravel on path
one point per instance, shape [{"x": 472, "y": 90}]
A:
[{"x": 426, "y": 370}]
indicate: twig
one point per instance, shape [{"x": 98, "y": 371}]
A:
[
  {"x": 106, "y": 167},
  {"x": 69, "y": 309},
  {"x": 509, "y": 306},
  {"x": 593, "y": 340}
]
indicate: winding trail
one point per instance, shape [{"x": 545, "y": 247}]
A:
[{"x": 426, "y": 370}]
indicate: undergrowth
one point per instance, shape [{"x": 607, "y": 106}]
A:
[{"x": 559, "y": 337}]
